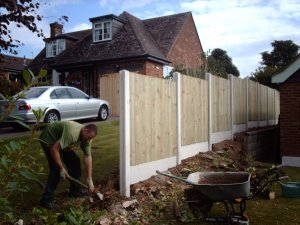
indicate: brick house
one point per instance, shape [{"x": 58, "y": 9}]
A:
[
  {"x": 289, "y": 86},
  {"x": 150, "y": 46}
]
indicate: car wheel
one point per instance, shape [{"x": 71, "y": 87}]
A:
[
  {"x": 103, "y": 113},
  {"x": 52, "y": 116}
]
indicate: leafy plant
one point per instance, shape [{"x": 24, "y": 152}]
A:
[
  {"x": 71, "y": 216},
  {"x": 17, "y": 167}
]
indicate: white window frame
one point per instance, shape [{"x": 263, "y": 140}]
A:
[
  {"x": 102, "y": 31},
  {"x": 55, "y": 47}
]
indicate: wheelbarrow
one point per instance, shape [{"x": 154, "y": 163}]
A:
[{"x": 229, "y": 188}]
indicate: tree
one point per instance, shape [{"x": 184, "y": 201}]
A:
[
  {"x": 220, "y": 64},
  {"x": 24, "y": 14},
  {"x": 282, "y": 54}
]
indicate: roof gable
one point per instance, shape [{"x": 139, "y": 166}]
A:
[
  {"x": 287, "y": 72},
  {"x": 165, "y": 29}
]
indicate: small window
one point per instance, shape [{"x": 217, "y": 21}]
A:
[
  {"x": 102, "y": 31},
  {"x": 55, "y": 47}
]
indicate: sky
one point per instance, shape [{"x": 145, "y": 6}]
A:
[{"x": 243, "y": 28}]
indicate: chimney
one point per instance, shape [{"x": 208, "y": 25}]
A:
[{"x": 55, "y": 29}]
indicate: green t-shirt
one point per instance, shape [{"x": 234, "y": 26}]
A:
[{"x": 68, "y": 135}]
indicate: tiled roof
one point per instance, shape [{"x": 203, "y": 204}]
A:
[
  {"x": 13, "y": 63},
  {"x": 137, "y": 38}
]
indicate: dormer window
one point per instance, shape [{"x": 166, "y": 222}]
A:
[
  {"x": 55, "y": 47},
  {"x": 102, "y": 31}
]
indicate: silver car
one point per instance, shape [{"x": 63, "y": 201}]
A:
[{"x": 62, "y": 103}]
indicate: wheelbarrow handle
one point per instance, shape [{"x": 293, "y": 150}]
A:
[
  {"x": 175, "y": 177},
  {"x": 283, "y": 178}
]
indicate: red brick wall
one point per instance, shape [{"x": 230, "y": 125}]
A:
[
  {"x": 153, "y": 69},
  {"x": 290, "y": 119},
  {"x": 149, "y": 68},
  {"x": 187, "y": 49}
]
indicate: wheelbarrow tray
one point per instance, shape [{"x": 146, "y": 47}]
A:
[{"x": 219, "y": 186}]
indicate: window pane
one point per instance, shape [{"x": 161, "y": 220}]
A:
[
  {"x": 34, "y": 93},
  {"x": 98, "y": 25},
  {"x": 97, "y": 35},
  {"x": 77, "y": 94},
  {"x": 62, "y": 93}
]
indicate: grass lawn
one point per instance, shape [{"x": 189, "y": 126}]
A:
[{"x": 105, "y": 152}]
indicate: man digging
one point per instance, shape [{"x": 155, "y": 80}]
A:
[{"x": 58, "y": 141}]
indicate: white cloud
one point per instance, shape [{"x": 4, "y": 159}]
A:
[{"x": 81, "y": 26}]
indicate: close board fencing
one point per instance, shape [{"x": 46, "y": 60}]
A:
[{"x": 165, "y": 121}]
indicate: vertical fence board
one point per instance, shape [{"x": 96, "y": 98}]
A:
[
  {"x": 220, "y": 104},
  {"x": 194, "y": 110},
  {"x": 239, "y": 100},
  {"x": 253, "y": 101},
  {"x": 109, "y": 90},
  {"x": 263, "y": 98}
]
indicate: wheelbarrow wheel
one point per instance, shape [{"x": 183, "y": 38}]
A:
[{"x": 197, "y": 202}]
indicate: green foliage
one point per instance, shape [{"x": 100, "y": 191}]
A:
[
  {"x": 193, "y": 72},
  {"x": 220, "y": 64},
  {"x": 71, "y": 216},
  {"x": 18, "y": 168},
  {"x": 283, "y": 53}
]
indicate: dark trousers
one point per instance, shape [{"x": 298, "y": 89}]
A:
[{"x": 72, "y": 163}]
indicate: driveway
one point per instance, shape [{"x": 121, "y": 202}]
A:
[{"x": 9, "y": 132}]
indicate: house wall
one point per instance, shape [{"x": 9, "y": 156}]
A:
[
  {"x": 290, "y": 117},
  {"x": 137, "y": 66},
  {"x": 187, "y": 48},
  {"x": 153, "y": 69}
]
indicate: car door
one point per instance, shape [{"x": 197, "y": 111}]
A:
[
  {"x": 85, "y": 106},
  {"x": 63, "y": 102}
]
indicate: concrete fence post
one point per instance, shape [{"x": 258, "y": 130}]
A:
[
  {"x": 208, "y": 78},
  {"x": 247, "y": 103},
  {"x": 177, "y": 78},
  {"x": 124, "y": 133},
  {"x": 258, "y": 103},
  {"x": 231, "y": 104}
]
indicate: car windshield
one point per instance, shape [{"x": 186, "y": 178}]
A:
[{"x": 34, "y": 92}]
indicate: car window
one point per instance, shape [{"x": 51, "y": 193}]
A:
[
  {"x": 34, "y": 92},
  {"x": 77, "y": 94},
  {"x": 60, "y": 93},
  {"x": 53, "y": 95}
]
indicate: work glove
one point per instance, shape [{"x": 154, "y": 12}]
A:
[
  {"x": 63, "y": 173},
  {"x": 90, "y": 184}
]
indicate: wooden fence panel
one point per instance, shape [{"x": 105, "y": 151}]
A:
[
  {"x": 220, "y": 95},
  {"x": 271, "y": 104},
  {"x": 252, "y": 101},
  {"x": 194, "y": 100},
  {"x": 263, "y": 102},
  {"x": 109, "y": 90},
  {"x": 153, "y": 118},
  {"x": 277, "y": 105},
  {"x": 239, "y": 100}
]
